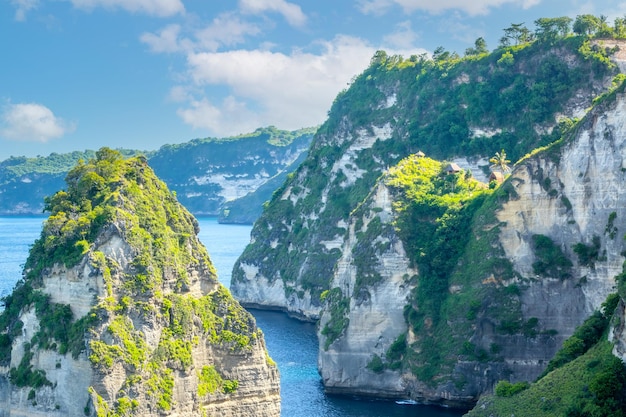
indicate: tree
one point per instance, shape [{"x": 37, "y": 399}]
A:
[
  {"x": 586, "y": 24},
  {"x": 379, "y": 58},
  {"x": 500, "y": 163},
  {"x": 619, "y": 27},
  {"x": 550, "y": 29},
  {"x": 605, "y": 31},
  {"x": 480, "y": 47},
  {"x": 516, "y": 34}
]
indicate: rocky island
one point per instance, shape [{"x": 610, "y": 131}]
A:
[{"x": 119, "y": 311}]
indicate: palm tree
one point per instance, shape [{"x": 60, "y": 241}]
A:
[{"x": 500, "y": 163}]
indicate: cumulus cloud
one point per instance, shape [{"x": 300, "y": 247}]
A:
[
  {"x": 22, "y": 7},
  {"x": 474, "y": 7},
  {"x": 288, "y": 90},
  {"x": 32, "y": 122},
  {"x": 290, "y": 11},
  {"x": 160, "y": 8},
  {"x": 230, "y": 117}
]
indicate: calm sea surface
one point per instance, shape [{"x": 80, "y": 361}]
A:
[{"x": 292, "y": 344}]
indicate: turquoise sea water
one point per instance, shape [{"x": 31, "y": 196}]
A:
[{"x": 292, "y": 344}]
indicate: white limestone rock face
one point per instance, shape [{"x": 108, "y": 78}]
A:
[
  {"x": 574, "y": 197},
  {"x": 78, "y": 385},
  {"x": 252, "y": 287},
  {"x": 571, "y": 194},
  {"x": 375, "y": 313}
]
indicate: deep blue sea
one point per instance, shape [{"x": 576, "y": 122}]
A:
[{"x": 292, "y": 344}]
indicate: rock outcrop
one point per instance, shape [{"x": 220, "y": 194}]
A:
[
  {"x": 385, "y": 116},
  {"x": 569, "y": 194},
  {"x": 120, "y": 311},
  {"x": 372, "y": 313},
  {"x": 478, "y": 303}
]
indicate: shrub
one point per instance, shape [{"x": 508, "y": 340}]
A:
[{"x": 506, "y": 389}]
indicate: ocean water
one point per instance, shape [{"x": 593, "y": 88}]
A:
[{"x": 291, "y": 343}]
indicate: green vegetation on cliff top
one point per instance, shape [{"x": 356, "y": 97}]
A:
[
  {"x": 24, "y": 182},
  {"x": 434, "y": 211},
  {"x": 110, "y": 196}
]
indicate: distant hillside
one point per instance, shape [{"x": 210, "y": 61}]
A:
[
  {"x": 247, "y": 209},
  {"x": 205, "y": 173}
]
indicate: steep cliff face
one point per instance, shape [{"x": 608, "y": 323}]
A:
[
  {"x": 551, "y": 249},
  {"x": 477, "y": 300},
  {"x": 458, "y": 109},
  {"x": 584, "y": 378},
  {"x": 372, "y": 283},
  {"x": 120, "y": 311}
]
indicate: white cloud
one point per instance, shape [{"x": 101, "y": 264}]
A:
[
  {"x": 271, "y": 88},
  {"x": 291, "y": 12},
  {"x": 22, "y": 7},
  {"x": 474, "y": 7},
  {"x": 32, "y": 122},
  {"x": 403, "y": 37},
  {"x": 160, "y": 8},
  {"x": 224, "y": 30},
  {"x": 166, "y": 41},
  {"x": 232, "y": 117}
]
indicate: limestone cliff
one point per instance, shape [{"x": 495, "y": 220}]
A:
[
  {"x": 364, "y": 316},
  {"x": 451, "y": 109},
  {"x": 533, "y": 270},
  {"x": 494, "y": 280},
  {"x": 120, "y": 312}
]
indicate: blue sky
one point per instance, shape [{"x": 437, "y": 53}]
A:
[{"x": 82, "y": 74}]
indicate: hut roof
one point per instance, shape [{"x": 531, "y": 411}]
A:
[{"x": 452, "y": 168}]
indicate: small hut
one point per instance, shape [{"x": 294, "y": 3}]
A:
[
  {"x": 496, "y": 176},
  {"x": 453, "y": 168},
  {"x": 420, "y": 154}
]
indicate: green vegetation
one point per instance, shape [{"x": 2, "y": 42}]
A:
[
  {"x": 210, "y": 382},
  {"x": 110, "y": 196},
  {"x": 24, "y": 182},
  {"x": 585, "y": 336},
  {"x": 338, "y": 306},
  {"x": 500, "y": 163},
  {"x": 434, "y": 211},
  {"x": 610, "y": 228},
  {"x": 506, "y": 103},
  {"x": 445, "y": 106},
  {"x": 584, "y": 379},
  {"x": 262, "y": 152},
  {"x": 506, "y": 389},
  {"x": 24, "y": 375},
  {"x": 588, "y": 254},
  {"x": 551, "y": 261}
]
